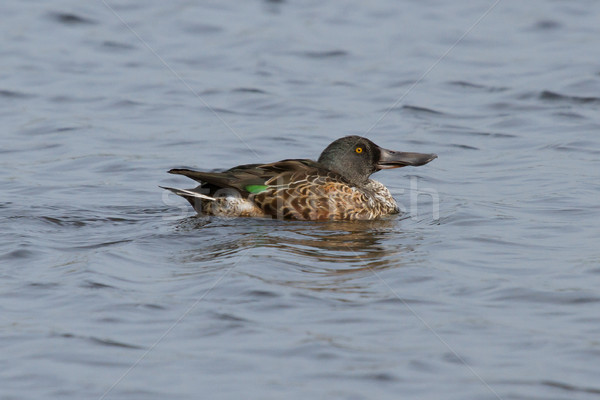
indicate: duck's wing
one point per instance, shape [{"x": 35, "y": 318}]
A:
[{"x": 254, "y": 178}]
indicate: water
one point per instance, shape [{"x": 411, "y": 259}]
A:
[{"x": 487, "y": 288}]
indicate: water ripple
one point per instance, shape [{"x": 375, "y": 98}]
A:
[
  {"x": 71, "y": 19},
  {"x": 553, "y": 96}
]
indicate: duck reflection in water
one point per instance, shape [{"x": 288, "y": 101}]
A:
[{"x": 296, "y": 254}]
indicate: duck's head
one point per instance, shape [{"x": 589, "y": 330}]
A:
[{"x": 356, "y": 158}]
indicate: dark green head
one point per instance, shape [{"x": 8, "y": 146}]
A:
[{"x": 356, "y": 158}]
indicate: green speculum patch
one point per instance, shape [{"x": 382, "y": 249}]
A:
[{"x": 256, "y": 188}]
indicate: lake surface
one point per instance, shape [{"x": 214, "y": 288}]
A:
[{"x": 487, "y": 287}]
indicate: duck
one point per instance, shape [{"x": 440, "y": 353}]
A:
[{"x": 335, "y": 187}]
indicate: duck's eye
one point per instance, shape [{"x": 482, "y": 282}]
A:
[{"x": 359, "y": 150}]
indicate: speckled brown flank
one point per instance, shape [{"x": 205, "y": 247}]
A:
[{"x": 319, "y": 198}]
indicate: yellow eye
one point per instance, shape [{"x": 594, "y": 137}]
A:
[{"x": 359, "y": 150}]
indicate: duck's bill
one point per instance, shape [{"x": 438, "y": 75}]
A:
[{"x": 396, "y": 159}]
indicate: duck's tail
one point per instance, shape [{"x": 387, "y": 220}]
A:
[{"x": 189, "y": 194}]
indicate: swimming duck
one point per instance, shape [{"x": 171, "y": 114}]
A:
[{"x": 336, "y": 187}]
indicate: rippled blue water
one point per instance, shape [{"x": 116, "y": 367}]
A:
[{"x": 487, "y": 288}]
